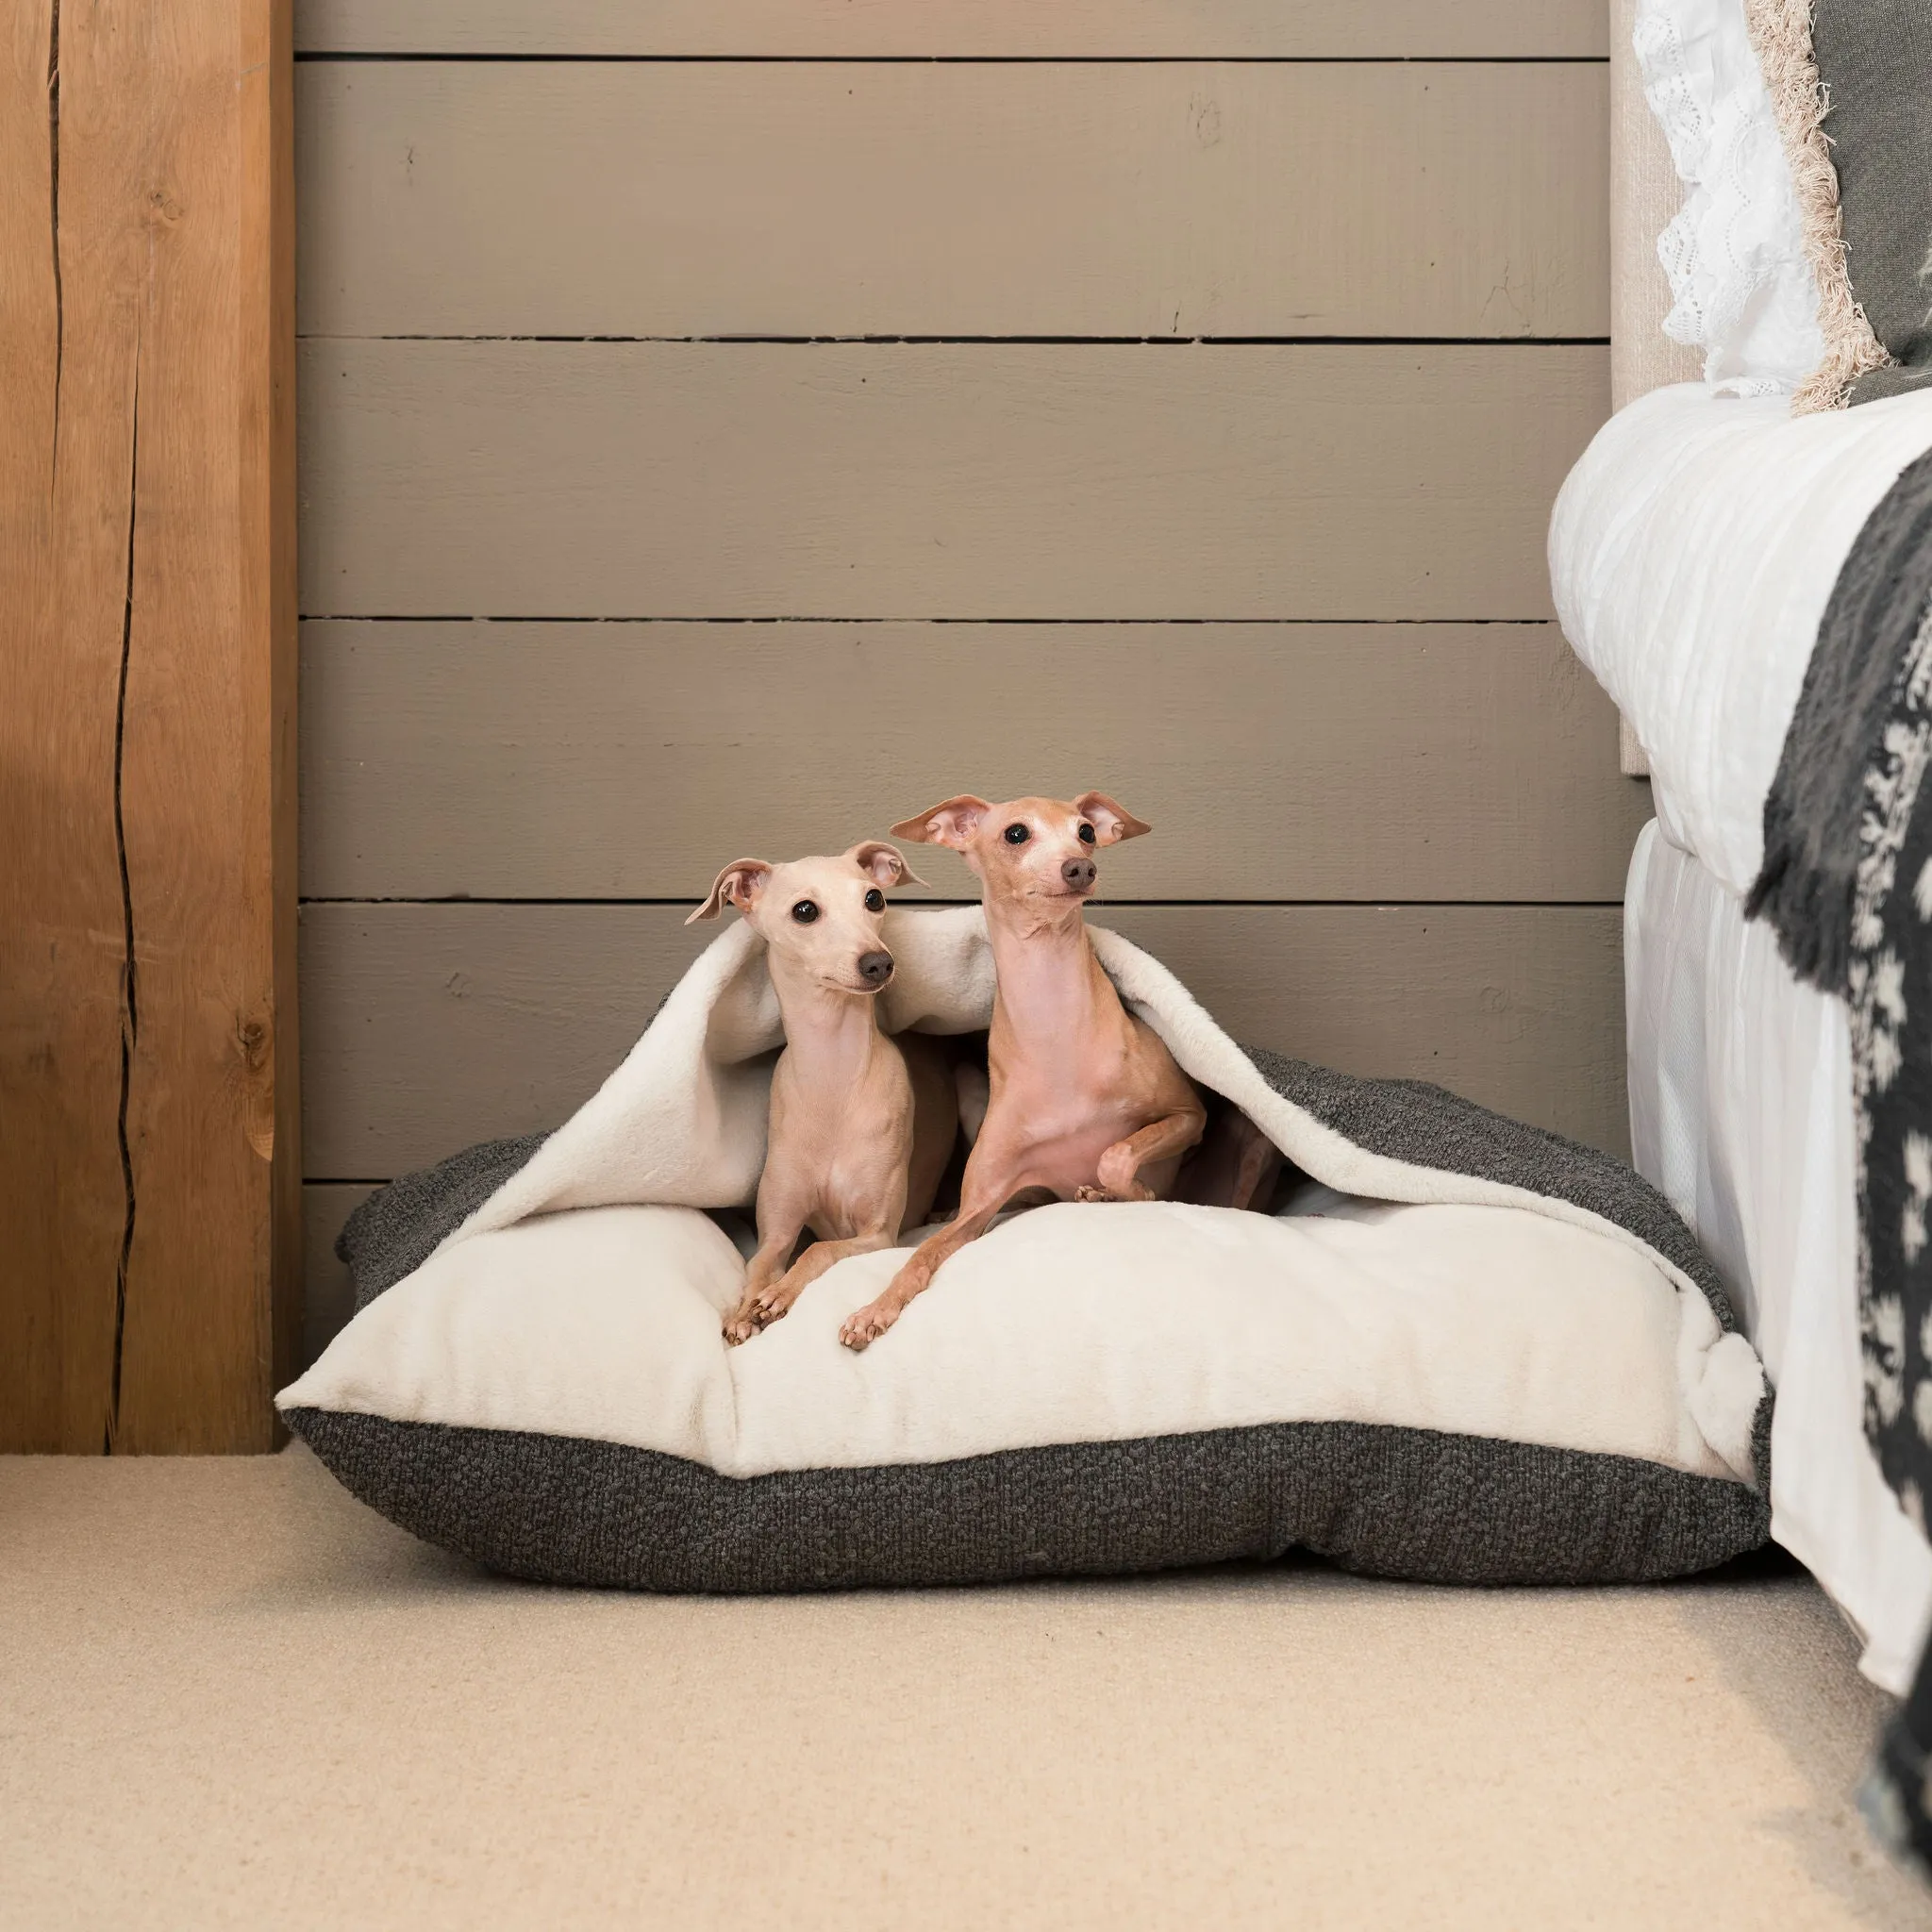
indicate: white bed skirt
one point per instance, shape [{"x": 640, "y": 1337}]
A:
[{"x": 1740, "y": 1112}]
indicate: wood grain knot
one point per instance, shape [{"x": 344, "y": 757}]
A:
[{"x": 255, "y": 1039}]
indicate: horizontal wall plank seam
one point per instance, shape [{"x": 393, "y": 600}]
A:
[
  {"x": 767, "y": 341},
  {"x": 1095, "y": 906},
  {"x": 539, "y": 60},
  {"x": 1205, "y": 622}
]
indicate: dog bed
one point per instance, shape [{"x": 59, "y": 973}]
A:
[{"x": 1467, "y": 1350}]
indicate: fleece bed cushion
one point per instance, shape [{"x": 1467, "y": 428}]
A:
[{"x": 1469, "y": 1350}]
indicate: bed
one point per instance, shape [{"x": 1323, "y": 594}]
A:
[{"x": 1693, "y": 553}]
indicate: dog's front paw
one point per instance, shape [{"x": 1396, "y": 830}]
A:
[
  {"x": 863, "y": 1328},
  {"x": 770, "y": 1307}
]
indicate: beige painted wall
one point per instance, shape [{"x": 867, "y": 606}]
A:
[{"x": 800, "y": 410}]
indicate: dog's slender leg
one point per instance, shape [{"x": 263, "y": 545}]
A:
[
  {"x": 1235, "y": 1165},
  {"x": 1161, "y": 1139},
  {"x": 987, "y": 1187},
  {"x": 774, "y": 1301},
  {"x": 865, "y": 1325},
  {"x": 976, "y": 1095},
  {"x": 777, "y": 1240},
  {"x": 1257, "y": 1168}
]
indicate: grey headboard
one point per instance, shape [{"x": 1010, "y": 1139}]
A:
[{"x": 1644, "y": 194}]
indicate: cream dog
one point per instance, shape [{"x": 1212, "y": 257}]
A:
[
  {"x": 861, "y": 1124},
  {"x": 1085, "y": 1103}
]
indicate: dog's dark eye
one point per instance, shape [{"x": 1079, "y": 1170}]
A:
[
  {"x": 1017, "y": 835},
  {"x": 805, "y": 912},
  {"x": 1086, "y": 835},
  {"x": 874, "y": 901}
]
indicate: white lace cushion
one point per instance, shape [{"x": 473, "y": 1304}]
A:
[{"x": 1743, "y": 288}]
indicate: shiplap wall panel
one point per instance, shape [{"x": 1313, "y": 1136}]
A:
[
  {"x": 912, "y": 480},
  {"x": 430, "y": 1028},
  {"x": 1107, "y": 29},
  {"x": 804, "y": 198},
  {"x": 630, "y": 760},
  {"x": 546, "y": 763},
  {"x": 426, "y": 1028}
]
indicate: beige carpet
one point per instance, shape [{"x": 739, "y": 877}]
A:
[{"x": 229, "y": 1696}]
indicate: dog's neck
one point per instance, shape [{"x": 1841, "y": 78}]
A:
[
  {"x": 1045, "y": 968},
  {"x": 830, "y": 1033}
]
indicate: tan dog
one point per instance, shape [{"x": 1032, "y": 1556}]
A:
[
  {"x": 1086, "y": 1104},
  {"x": 861, "y": 1124}
]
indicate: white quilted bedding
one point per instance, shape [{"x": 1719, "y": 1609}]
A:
[{"x": 1692, "y": 551}]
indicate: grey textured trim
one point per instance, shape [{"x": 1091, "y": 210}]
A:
[
  {"x": 397, "y": 1228},
  {"x": 1424, "y": 1126},
  {"x": 1818, "y": 800},
  {"x": 1388, "y": 1501}
]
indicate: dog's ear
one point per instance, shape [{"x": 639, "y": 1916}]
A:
[
  {"x": 952, "y": 823},
  {"x": 1111, "y": 823},
  {"x": 885, "y": 863},
  {"x": 739, "y": 884}
]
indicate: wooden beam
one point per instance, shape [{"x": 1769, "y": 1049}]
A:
[
  {"x": 149, "y": 1193},
  {"x": 61, "y": 951}
]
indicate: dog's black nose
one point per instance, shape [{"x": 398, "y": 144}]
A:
[
  {"x": 1078, "y": 874},
  {"x": 875, "y": 968}
]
